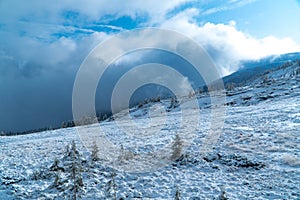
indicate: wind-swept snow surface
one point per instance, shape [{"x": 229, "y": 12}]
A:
[{"x": 256, "y": 157}]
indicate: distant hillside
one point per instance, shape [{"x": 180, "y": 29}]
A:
[{"x": 255, "y": 68}]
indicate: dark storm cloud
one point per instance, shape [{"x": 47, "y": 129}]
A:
[{"x": 36, "y": 80}]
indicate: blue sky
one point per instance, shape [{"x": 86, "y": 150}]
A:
[
  {"x": 262, "y": 18},
  {"x": 44, "y": 42}
]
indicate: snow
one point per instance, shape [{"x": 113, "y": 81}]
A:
[{"x": 256, "y": 157}]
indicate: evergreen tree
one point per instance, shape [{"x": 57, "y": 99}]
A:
[
  {"x": 176, "y": 148},
  {"x": 76, "y": 170},
  {"x": 57, "y": 180},
  {"x": 95, "y": 152},
  {"x": 177, "y": 194},
  {"x": 112, "y": 186}
]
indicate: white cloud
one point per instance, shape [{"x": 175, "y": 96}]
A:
[
  {"x": 226, "y": 44},
  {"x": 38, "y": 22},
  {"x": 93, "y": 9},
  {"x": 230, "y": 5},
  {"x": 36, "y": 30}
]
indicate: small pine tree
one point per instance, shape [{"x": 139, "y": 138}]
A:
[
  {"x": 104, "y": 117},
  {"x": 68, "y": 153},
  {"x": 76, "y": 169},
  {"x": 56, "y": 166},
  {"x": 57, "y": 179},
  {"x": 172, "y": 104},
  {"x": 95, "y": 152},
  {"x": 121, "y": 155},
  {"x": 177, "y": 194},
  {"x": 63, "y": 125},
  {"x": 112, "y": 186},
  {"x": 191, "y": 94},
  {"x": 222, "y": 196},
  {"x": 55, "y": 163},
  {"x": 176, "y": 147},
  {"x": 265, "y": 79},
  {"x": 74, "y": 151},
  {"x": 36, "y": 175}
]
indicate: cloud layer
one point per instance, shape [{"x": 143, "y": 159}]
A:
[{"x": 226, "y": 44}]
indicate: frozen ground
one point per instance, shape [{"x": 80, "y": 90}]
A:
[{"x": 256, "y": 157}]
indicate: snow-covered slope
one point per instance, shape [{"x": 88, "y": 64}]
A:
[{"x": 256, "y": 157}]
